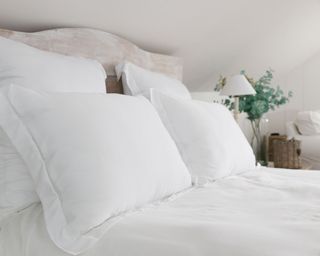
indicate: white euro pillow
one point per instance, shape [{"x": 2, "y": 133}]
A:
[
  {"x": 33, "y": 68},
  {"x": 308, "y": 122},
  {"x": 210, "y": 141},
  {"x": 139, "y": 81},
  {"x": 92, "y": 157}
]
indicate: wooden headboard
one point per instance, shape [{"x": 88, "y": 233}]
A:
[{"x": 104, "y": 47}]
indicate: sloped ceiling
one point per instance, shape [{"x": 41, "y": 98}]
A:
[{"x": 212, "y": 36}]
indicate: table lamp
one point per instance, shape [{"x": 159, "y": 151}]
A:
[{"x": 236, "y": 86}]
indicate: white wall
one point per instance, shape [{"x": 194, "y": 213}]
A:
[
  {"x": 212, "y": 36},
  {"x": 304, "y": 82}
]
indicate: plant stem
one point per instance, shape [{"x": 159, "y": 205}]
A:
[{"x": 255, "y": 124}]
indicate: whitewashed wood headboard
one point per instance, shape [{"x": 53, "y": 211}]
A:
[{"x": 104, "y": 47}]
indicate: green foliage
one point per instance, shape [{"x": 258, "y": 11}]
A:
[{"x": 267, "y": 97}]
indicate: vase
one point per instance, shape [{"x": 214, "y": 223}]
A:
[{"x": 259, "y": 131}]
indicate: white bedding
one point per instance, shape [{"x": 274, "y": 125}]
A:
[{"x": 265, "y": 212}]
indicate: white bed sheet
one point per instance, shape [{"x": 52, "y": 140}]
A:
[{"x": 265, "y": 212}]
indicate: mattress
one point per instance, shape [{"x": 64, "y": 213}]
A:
[{"x": 266, "y": 211}]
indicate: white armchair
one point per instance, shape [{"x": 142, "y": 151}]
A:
[{"x": 310, "y": 145}]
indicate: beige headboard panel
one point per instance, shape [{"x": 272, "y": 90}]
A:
[{"x": 104, "y": 47}]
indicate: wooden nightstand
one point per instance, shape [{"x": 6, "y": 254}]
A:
[
  {"x": 305, "y": 165},
  {"x": 269, "y": 144}
]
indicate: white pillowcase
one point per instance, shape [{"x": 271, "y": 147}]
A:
[
  {"x": 16, "y": 187},
  {"x": 211, "y": 143},
  {"x": 308, "y": 122},
  {"x": 33, "y": 68},
  {"x": 139, "y": 81},
  {"x": 92, "y": 157}
]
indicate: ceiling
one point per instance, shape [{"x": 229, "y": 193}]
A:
[{"x": 212, "y": 36}]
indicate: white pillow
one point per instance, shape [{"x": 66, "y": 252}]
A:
[
  {"x": 308, "y": 122},
  {"x": 33, "y": 68},
  {"x": 16, "y": 186},
  {"x": 139, "y": 81},
  {"x": 92, "y": 157},
  {"x": 211, "y": 143}
]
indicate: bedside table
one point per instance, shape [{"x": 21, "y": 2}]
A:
[{"x": 305, "y": 165}]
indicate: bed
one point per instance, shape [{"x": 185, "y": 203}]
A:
[{"x": 264, "y": 211}]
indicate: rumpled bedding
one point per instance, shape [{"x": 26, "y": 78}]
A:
[{"x": 263, "y": 212}]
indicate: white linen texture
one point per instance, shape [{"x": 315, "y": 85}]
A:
[
  {"x": 138, "y": 81},
  {"x": 16, "y": 187},
  {"x": 92, "y": 157},
  {"x": 36, "y": 69},
  {"x": 210, "y": 141},
  {"x": 264, "y": 212}
]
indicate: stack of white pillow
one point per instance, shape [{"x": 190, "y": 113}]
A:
[
  {"x": 209, "y": 140},
  {"x": 91, "y": 157}
]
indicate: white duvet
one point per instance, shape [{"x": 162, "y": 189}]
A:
[{"x": 265, "y": 212}]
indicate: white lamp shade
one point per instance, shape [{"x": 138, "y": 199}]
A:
[{"x": 236, "y": 86}]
